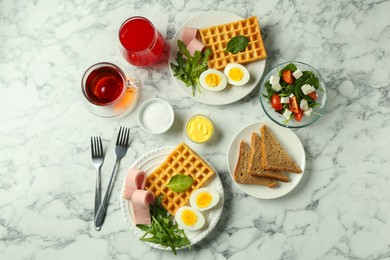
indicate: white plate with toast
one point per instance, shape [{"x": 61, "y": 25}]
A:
[
  {"x": 290, "y": 143},
  {"x": 148, "y": 163},
  {"x": 230, "y": 94}
]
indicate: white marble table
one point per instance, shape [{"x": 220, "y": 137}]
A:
[{"x": 340, "y": 210}]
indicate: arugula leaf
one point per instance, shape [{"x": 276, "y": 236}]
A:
[
  {"x": 163, "y": 230},
  {"x": 269, "y": 89},
  {"x": 237, "y": 44},
  {"x": 206, "y": 55},
  {"x": 189, "y": 68},
  {"x": 180, "y": 182},
  {"x": 288, "y": 120},
  {"x": 183, "y": 49}
]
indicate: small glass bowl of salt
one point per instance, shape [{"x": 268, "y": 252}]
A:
[{"x": 155, "y": 116}]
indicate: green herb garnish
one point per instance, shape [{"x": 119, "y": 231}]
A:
[
  {"x": 180, "y": 182},
  {"x": 237, "y": 44},
  {"x": 163, "y": 230},
  {"x": 189, "y": 68}
]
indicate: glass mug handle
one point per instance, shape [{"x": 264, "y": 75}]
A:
[
  {"x": 133, "y": 83},
  {"x": 130, "y": 96}
]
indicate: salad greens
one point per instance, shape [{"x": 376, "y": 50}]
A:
[
  {"x": 163, "y": 230},
  {"x": 291, "y": 87},
  {"x": 237, "y": 44},
  {"x": 180, "y": 182},
  {"x": 189, "y": 68}
]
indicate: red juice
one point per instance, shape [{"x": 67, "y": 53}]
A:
[
  {"x": 104, "y": 85},
  {"x": 142, "y": 44}
]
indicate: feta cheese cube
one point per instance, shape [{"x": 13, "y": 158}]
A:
[
  {"x": 308, "y": 112},
  {"x": 297, "y": 74},
  {"x": 284, "y": 100},
  {"x": 307, "y": 89},
  {"x": 304, "y": 105},
  {"x": 274, "y": 80},
  {"x": 291, "y": 95},
  {"x": 287, "y": 113},
  {"x": 276, "y": 87}
]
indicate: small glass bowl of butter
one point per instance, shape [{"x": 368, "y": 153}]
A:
[{"x": 199, "y": 129}]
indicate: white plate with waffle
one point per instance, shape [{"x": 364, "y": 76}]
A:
[
  {"x": 148, "y": 163},
  {"x": 230, "y": 94},
  {"x": 289, "y": 141}
]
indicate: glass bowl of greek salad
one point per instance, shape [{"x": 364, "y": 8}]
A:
[{"x": 293, "y": 94}]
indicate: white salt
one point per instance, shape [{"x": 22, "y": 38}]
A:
[{"x": 156, "y": 117}]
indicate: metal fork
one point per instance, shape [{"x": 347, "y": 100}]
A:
[
  {"x": 97, "y": 159},
  {"x": 122, "y": 144}
]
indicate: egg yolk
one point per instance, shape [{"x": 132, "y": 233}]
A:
[
  {"x": 189, "y": 217},
  {"x": 236, "y": 74},
  {"x": 212, "y": 80},
  {"x": 203, "y": 200}
]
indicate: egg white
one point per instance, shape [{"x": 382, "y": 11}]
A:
[
  {"x": 222, "y": 84},
  {"x": 198, "y": 225},
  {"x": 214, "y": 198},
  {"x": 244, "y": 70}
]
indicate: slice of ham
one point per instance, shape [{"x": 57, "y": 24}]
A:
[
  {"x": 135, "y": 180},
  {"x": 188, "y": 34},
  {"x": 195, "y": 45},
  {"x": 140, "y": 202}
]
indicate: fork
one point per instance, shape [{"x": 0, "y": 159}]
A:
[
  {"x": 97, "y": 160},
  {"x": 122, "y": 144}
]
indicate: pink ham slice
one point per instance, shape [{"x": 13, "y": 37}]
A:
[
  {"x": 188, "y": 34},
  {"x": 135, "y": 180},
  {"x": 140, "y": 202},
  {"x": 195, "y": 45}
]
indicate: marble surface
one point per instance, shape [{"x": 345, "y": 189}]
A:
[{"x": 340, "y": 210}]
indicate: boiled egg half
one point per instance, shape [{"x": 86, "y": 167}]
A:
[
  {"x": 236, "y": 74},
  {"x": 204, "y": 199},
  {"x": 213, "y": 80},
  {"x": 188, "y": 218}
]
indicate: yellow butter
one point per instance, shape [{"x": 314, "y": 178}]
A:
[{"x": 199, "y": 129}]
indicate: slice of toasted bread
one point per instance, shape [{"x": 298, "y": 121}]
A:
[
  {"x": 254, "y": 167},
  {"x": 274, "y": 157},
  {"x": 241, "y": 173}
]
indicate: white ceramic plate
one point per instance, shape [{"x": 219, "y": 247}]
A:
[
  {"x": 230, "y": 94},
  {"x": 290, "y": 143},
  {"x": 148, "y": 162}
]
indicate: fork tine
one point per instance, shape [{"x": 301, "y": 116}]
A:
[
  {"x": 96, "y": 145},
  {"x": 127, "y": 137},
  {"x": 124, "y": 137},
  {"x": 119, "y": 136},
  {"x": 92, "y": 146},
  {"x": 123, "y": 134},
  {"x": 100, "y": 145}
]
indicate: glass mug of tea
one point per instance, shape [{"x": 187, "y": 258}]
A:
[
  {"x": 141, "y": 44},
  {"x": 106, "y": 90}
]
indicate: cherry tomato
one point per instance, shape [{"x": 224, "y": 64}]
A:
[
  {"x": 294, "y": 105},
  {"x": 288, "y": 77},
  {"x": 275, "y": 102},
  {"x": 298, "y": 116},
  {"x": 313, "y": 95}
]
